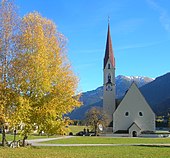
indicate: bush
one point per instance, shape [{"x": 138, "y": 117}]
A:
[{"x": 71, "y": 134}]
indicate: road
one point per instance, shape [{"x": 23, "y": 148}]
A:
[{"x": 38, "y": 142}]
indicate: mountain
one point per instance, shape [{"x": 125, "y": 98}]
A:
[
  {"x": 94, "y": 97},
  {"x": 157, "y": 93},
  {"x": 123, "y": 83},
  {"x": 163, "y": 108},
  {"x": 91, "y": 97}
]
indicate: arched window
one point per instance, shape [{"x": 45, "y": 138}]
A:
[
  {"x": 109, "y": 78},
  {"x": 126, "y": 113},
  {"x": 140, "y": 113},
  {"x": 108, "y": 66}
]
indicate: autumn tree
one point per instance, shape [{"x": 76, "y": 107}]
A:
[
  {"x": 37, "y": 85},
  {"x": 96, "y": 117},
  {"x": 43, "y": 76},
  {"x": 9, "y": 24}
]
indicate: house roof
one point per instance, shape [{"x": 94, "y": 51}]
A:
[{"x": 109, "y": 50}]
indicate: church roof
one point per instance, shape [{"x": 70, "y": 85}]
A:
[
  {"x": 134, "y": 124},
  {"x": 109, "y": 50},
  {"x": 133, "y": 94}
]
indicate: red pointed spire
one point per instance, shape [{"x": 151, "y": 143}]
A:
[{"x": 109, "y": 50}]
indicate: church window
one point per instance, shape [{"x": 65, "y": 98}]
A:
[
  {"x": 126, "y": 113},
  {"x": 140, "y": 113},
  {"x": 109, "y": 78},
  {"x": 108, "y": 66}
]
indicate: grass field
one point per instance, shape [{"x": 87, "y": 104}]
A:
[
  {"x": 90, "y": 152},
  {"x": 86, "y": 152},
  {"x": 104, "y": 140},
  {"x": 73, "y": 129},
  {"x": 76, "y": 129},
  {"x": 10, "y": 137}
]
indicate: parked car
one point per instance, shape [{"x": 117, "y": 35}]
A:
[{"x": 81, "y": 133}]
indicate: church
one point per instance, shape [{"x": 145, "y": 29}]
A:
[{"x": 133, "y": 114}]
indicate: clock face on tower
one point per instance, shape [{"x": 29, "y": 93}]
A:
[{"x": 108, "y": 87}]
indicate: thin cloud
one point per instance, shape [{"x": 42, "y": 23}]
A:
[
  {"x": 164, "y": 16},
  {"x": 89, "y": 51},
  {"x": 87, "y": 65},
  {"x": 139, "y": 45}
]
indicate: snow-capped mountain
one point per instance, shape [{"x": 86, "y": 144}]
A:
[
  {"x": 123, "y": 83},
  {"x": 95, "y": 96}
]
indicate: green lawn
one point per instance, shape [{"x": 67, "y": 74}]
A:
[
  {"x": 10, "y": 137},
  {"x": 73, "y": 129},
  {"x": 76, "y": 129},
  {"x": 104, "y": 140},
  {"x": 86, "y": 152}
]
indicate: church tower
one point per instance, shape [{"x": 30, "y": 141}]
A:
[{"x": 109, "y": 79}]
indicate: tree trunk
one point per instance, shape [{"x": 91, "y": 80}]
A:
[
  {"x": 95, "y": 130},
  {"x": 24, "y": 142},
  {"x": 3, "y": 136}
]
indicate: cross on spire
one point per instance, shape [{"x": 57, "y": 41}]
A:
[{"x": 108, "y": 20}]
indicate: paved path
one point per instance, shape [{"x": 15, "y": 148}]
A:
[
  {"x": 37, "y": 142},
  {"x": 74, "y": 145}
]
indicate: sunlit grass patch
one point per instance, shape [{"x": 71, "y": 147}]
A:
[
  {"x": 111, "y": 140},
  {"x": 87, "y": 152}
]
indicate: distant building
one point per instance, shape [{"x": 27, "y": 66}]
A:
[{"x": 133, "y": 115}]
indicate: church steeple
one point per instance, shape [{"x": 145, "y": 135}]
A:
[
  {"x": 109, "y": 94},
  {"x": 109, "y": 54}
]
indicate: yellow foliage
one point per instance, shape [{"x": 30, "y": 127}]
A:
[
  {"x": 37, "y": 85},
  {"x": 43, "y": 75},
  {"x": 8, "y": 32}
]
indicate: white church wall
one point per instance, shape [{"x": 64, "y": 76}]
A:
[
  {"x": 110, "y": 71},
  {"x": 109, "y": 94},
  {"x": 133, "y": 108}
]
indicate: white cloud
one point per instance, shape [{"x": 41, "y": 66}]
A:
[{"x": 164, "y": 17}]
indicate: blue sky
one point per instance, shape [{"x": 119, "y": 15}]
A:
[{"x": 140, "y": 31}]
